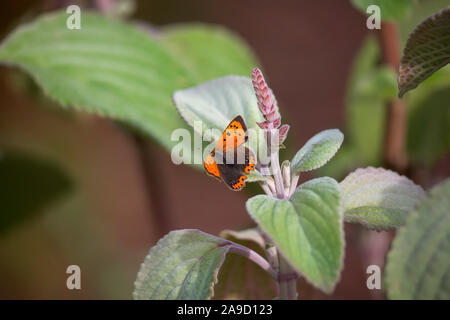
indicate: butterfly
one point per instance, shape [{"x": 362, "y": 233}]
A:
[{"x": 231, "y": 161}]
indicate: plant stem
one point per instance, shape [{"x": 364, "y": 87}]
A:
[
  {"x": 275, "y": 163},
  {"x": 277, "y": 176},
  {"x": 253, "y": 256},
  {"x": 287, "y": 277},
  {"x": 287, "y": 280},
  {"x": 396, "y": 116},
  {"x": 293, "y": 186},
  {"x": 271, "y": 184},
  {"x": 266, "y": 188}
]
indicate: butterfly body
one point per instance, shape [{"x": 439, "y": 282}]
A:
[{"x": 231, "y": 161}]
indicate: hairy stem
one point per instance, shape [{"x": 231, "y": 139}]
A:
[
  {"x": 287, "y": 280},
  {"x": 265, "y": 188},
  {"x": 275, "y": 162},
  {"x": 279, "y": 187},
  {"x": 253, "y": 256},
  {"x": 294, "y": 183},
  {"x": 286, "y": 173},
  {"x": 271, "y": 184},
  {"x": 287, "y": 277}
]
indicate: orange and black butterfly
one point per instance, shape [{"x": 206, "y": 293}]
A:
[{"x": 231, "y": 161}]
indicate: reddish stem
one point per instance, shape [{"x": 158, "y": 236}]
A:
[{"x": 396, "y": 116}]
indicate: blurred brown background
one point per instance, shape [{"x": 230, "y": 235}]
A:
[{"x": 120, "y": 209}]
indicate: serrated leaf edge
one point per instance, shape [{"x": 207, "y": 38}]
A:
[{"x": 160, "y": 242}]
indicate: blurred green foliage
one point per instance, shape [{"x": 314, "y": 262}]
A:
[
  {"x": 119, "y": 71},
  {"x": 418, "y": 264},
  {"x": 391, "y": 10},
  {"x": 371, "y": 85},
  {"x": 128, "y": 89},
  {"x": 26, "y": 186},
  {"x": 429, "y": 128},
  {"x": 419, "y": 12},
  {"x": 209, "y": 52}
]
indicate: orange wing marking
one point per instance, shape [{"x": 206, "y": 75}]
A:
[
  {"x": 211, "y": 166},
  {"x": 233, "y": 136},
  {"x": 240, "y": 184}
]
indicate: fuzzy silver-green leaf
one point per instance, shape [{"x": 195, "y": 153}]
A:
[
  {"x": 215, "y": 103},
  {"x": 317, "y": 151},
  {"x": 120, "y": 71},
  {"x": 182, "y": 266},
  {"x": 107, "y": 67},
  {"x": 307, "y": 228},
  {"x": 418, "y": 266},
  {"x": 378, "y": 198}
]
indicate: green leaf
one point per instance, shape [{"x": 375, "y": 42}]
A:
[
  {"x": 106, "y": 67},
  {"x": 27, "y": 185},
  {"x": 240, "y": 278},
  {"x": 426, "y": 51},
  {"x": 317, "y": 151},
  {"x": 390, "y": 10},
  {"x": 209, "y": 52},
  {"x": 308, "y": 229},
  {"x": 418, "y": 266},
  {"x": 183, "y": 265},
  {"x": 119, "y": 71},
  {"x": 216, "y": 102},
  {"x": 378, "y": 198}
]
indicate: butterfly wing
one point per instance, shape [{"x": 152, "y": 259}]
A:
[
  {"x": 233, "y": 136},
  {"x": 211, "y": 168},
  {"x": 234, "y": 173}
]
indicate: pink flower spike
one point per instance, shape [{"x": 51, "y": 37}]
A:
[
  {"x": 263, "y": 93},
  {"x": 263, "y": 125},
  {"x": 276, "y": 123},
  {"x": 267, "y": 103},
  {"x": 272, "y": 117}
]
